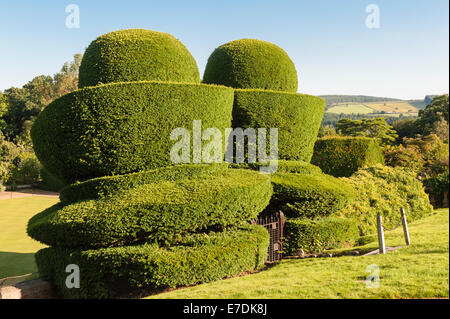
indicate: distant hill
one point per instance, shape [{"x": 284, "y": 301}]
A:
[{"x": 337, "y": 100}]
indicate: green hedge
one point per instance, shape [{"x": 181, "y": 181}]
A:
[
  {"x": 297, "y": 117},
  {"x": 384, "y": 190},
  {"x": 201, "y": 259},
  {"x": 123, "y": 127},
  {"x": 308, "y": 195},
  {"x": 136, "y": 55},
  {"x": 163, "y": 211},
  {"x": 319, "y": 234},
  {"x": 251, "y": 64},
  {"x": 284, "y": 166},
  {"x": 50, "y": 182},
  {"x": 342, "y": 156},
  {"x": 110, "y": 185}
]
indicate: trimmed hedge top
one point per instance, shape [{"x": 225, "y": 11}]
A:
[
  {"x": 163, "y": 211},
  {"x": 251, "y": 63},
  {"x": 135, "y": 55},
  {"x": 121, "y": 128},
  {"x": 342, "y": 156},
  {"x": 297, "y": 117}
]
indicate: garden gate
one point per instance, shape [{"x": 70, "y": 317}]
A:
[{"x": 274, "y": 225}]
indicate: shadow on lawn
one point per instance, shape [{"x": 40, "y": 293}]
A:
[{"x": 16, "y": 267}]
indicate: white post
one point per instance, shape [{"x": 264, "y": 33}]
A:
[
  {"x": 381, "y": 244},
  {"x": 405, "y": 227}
]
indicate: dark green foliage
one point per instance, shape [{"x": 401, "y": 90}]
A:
[
  {"x": 163, "y": 211},
  {"x": 251, "y": 64},
  {"x": 136, "y": 55},
  {"x": 297, "y": 117},
  {"x": 310, "y": 196},
  {"x": 342, "y": 156},
  {"x": 199, "y": 258},
  {"x": 123, "y": 127},
  {"x": 319, "y": 234},
  {"x": 50, "y": 182},
  {"x": 384, "y": 190},
  {"x": 109, "y": 185},
  {"x": 284, "y": 166},
  {"x": 437, "y": 184}
]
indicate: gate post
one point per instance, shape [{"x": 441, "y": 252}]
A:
[
  {"x": 405, "y": 227},
  {"x": 381, "y": 244}
]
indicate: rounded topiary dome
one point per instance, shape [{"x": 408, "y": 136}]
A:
[
  {"x": 135, "y": 55},
  {"x": 251, "y": 64}
]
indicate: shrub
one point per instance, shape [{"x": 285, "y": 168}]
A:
[
  {"x": 200, "y": 258},
  {"x": 437, "y": 184},
  {"x": 163, "y": 211},
  {"x": 384, "y": 190},
  {"x": 251, "y": 64},
  {"x": 111, "y": 185},
  {"x": 310, "y": 196},
  {"x": 136, "y": 55},
  {"x": 284, "y": 166},
  {"x": 297, "y": 117},
  {"x": 26, "y": 170},
  {"x": 76, "y": 137},
  {"x": 342, "y": 156},
  {"x": 318, "y": 234},
  {"x": 408, "y": 157}
]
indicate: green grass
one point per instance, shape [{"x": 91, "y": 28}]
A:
[
  {"x": 417, "y": 271},
  {"x": 16, "y": 248},
  {"x": 349, "y": 108}
]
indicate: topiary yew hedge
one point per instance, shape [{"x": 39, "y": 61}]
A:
[
  {"x": 198, "y": 258},
  {"x": 251, "y": 64},
  {"x": 309, "y": 195},
  {"x": 317, "y": 235},
  {"x": 343, "y": 156},
  {"x": 136, "y": 55},
  {"x": 297, "y": 117},
  {"x": 113, "y": 185},
  {"x": 163, "y": 211},
  {"x": 121, "y": 128}
]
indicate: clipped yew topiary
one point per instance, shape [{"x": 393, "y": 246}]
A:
[
  {"x": 163, "y": 211},
  {"x": 309, "y": 195},
  {"x": 135, "y": 55},
  {"x": 297, "y": 117},
  {"x": 120, "y": 128},
  {"x": 342, "y": 156},
  {"x": 130, "y": 215},
  {"x": 251, "y": 64},
  {"x": 316, "y": 235},
  {"x": 101, "y": 187},
  {"x": 199, "y": 258}
]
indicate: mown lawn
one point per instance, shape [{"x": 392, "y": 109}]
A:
[
  {"x": 16, "y": 248},
  {"x": 417, "y": 271}
]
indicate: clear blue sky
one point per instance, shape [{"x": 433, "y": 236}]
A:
[{"x": 333, "y": 50}]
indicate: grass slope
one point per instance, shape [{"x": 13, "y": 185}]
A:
[
  {"x": 16, "y": 248},
  {"x": 418, "y": 271}
]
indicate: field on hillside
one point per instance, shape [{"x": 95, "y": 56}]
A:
[
  {"x": 392, "y": 106},
  {"x": 408, "y": 108},
  {"x": 349, "y": 108}
]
